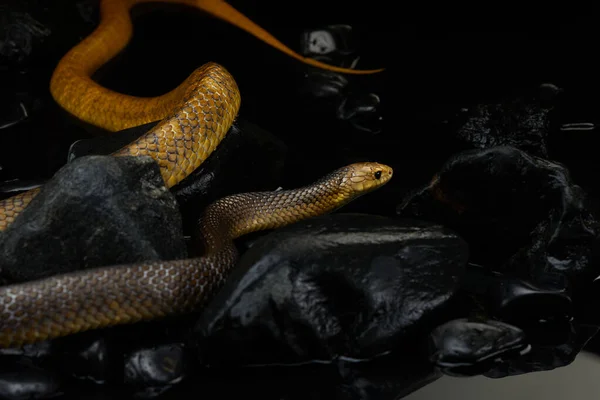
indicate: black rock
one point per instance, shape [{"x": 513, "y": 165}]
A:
[
  {"x": 340, "y": 285},
  {"x": 361, "y": 111},
  {"x": 21, "y": 380},
  {"x": 385, "y": 378},
  {"x": 15, "y": 111},
  {"x": 546, "y": 354},
  {"x": 324, "y": 84},
  {"x": 466, "y": 348},
  {"x": 516, "y": 300},
  {"x": 85, "y": 357},
  {"x": 16, "y": 186},
  {"x": 521, "y": 215},
  {"x": 151, "y": 371},
  {"x": 96, "y": 211},
  {"x": 332, "y": 44},
  {"x": 350, "y": 102},
  {"x": 33, "y": 351}
]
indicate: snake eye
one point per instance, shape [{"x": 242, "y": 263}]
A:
[{"x": 378, "y": 175}]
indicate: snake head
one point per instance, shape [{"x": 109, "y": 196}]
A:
[{"x": 367, "y": 176}]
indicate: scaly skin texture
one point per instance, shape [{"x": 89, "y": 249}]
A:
[
  {"x": 180, "y": 142},
  {"x": 72, "y": 87},
  {"x": 195, "y": 117},
  {"x": 74, "y": 90},
  {"x": 108, "y": 296},
  {"x": 13, "y": 206}
]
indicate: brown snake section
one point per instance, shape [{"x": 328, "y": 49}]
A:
[
  {"x": 108, "y": 296},
  {"x": 180, "y": 142}
]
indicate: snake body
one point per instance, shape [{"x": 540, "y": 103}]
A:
[
  {"x": 194, "y": 117},
  {"x": 74, "y": 90},
  {"x": 107, "y": 296}
]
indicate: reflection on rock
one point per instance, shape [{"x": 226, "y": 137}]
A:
[
  {"x": 15, "y": 186},
  {"x": 518, "y": 299},
  {"x": 340, "y": 285},
  {"x": 13, "y": 113},
  {"x": 362, "y": 112},
  {"x": 357, "y": 107},
  {"x": 152, "y": 371},
  {"x": 325, "y": 84},
  {"x": 85, "y": 357},
  {"x": 547, "y": 356},
  {"x": 332, "y": 45},
  {"x": 466, "y": 348},
  {"x": 20, "y": 380},
  {"x": 121, "y": 202}
]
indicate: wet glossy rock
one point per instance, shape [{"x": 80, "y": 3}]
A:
[
  {"x": 119, "y": 202},
  {"x": 21, "y": 380},
  {"x": 521, "y": 215},
  {"x": 331, "y": 44},
  {"x": 324, "y": 84},
  {"x": 349, "y": 285},
  {"x": 362, "y": 111},
  {"x": 385, "y": 378},
  {"x": 466, "y": 348},
  {"x": 522, "y": 122},
  {"x": 516, "y": 298},
  {"x": 512, "y": 299},
  {"x": 14, "y": 111},
  {"x": 151, "y": 371},
  {"x": 85, "y": 357}
]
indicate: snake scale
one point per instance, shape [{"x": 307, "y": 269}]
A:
[{"x": 194, "y": 118}]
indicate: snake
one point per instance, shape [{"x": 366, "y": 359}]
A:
[
  {"x": 74, "y": 302},
  {"x": 73, "y": 88},
  {"x": 193, "y": 119}
]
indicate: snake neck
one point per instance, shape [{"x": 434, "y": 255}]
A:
[{"x": 241, "y": 214}]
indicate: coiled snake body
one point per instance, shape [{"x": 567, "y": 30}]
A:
[{"x": 195, "y": 117}]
